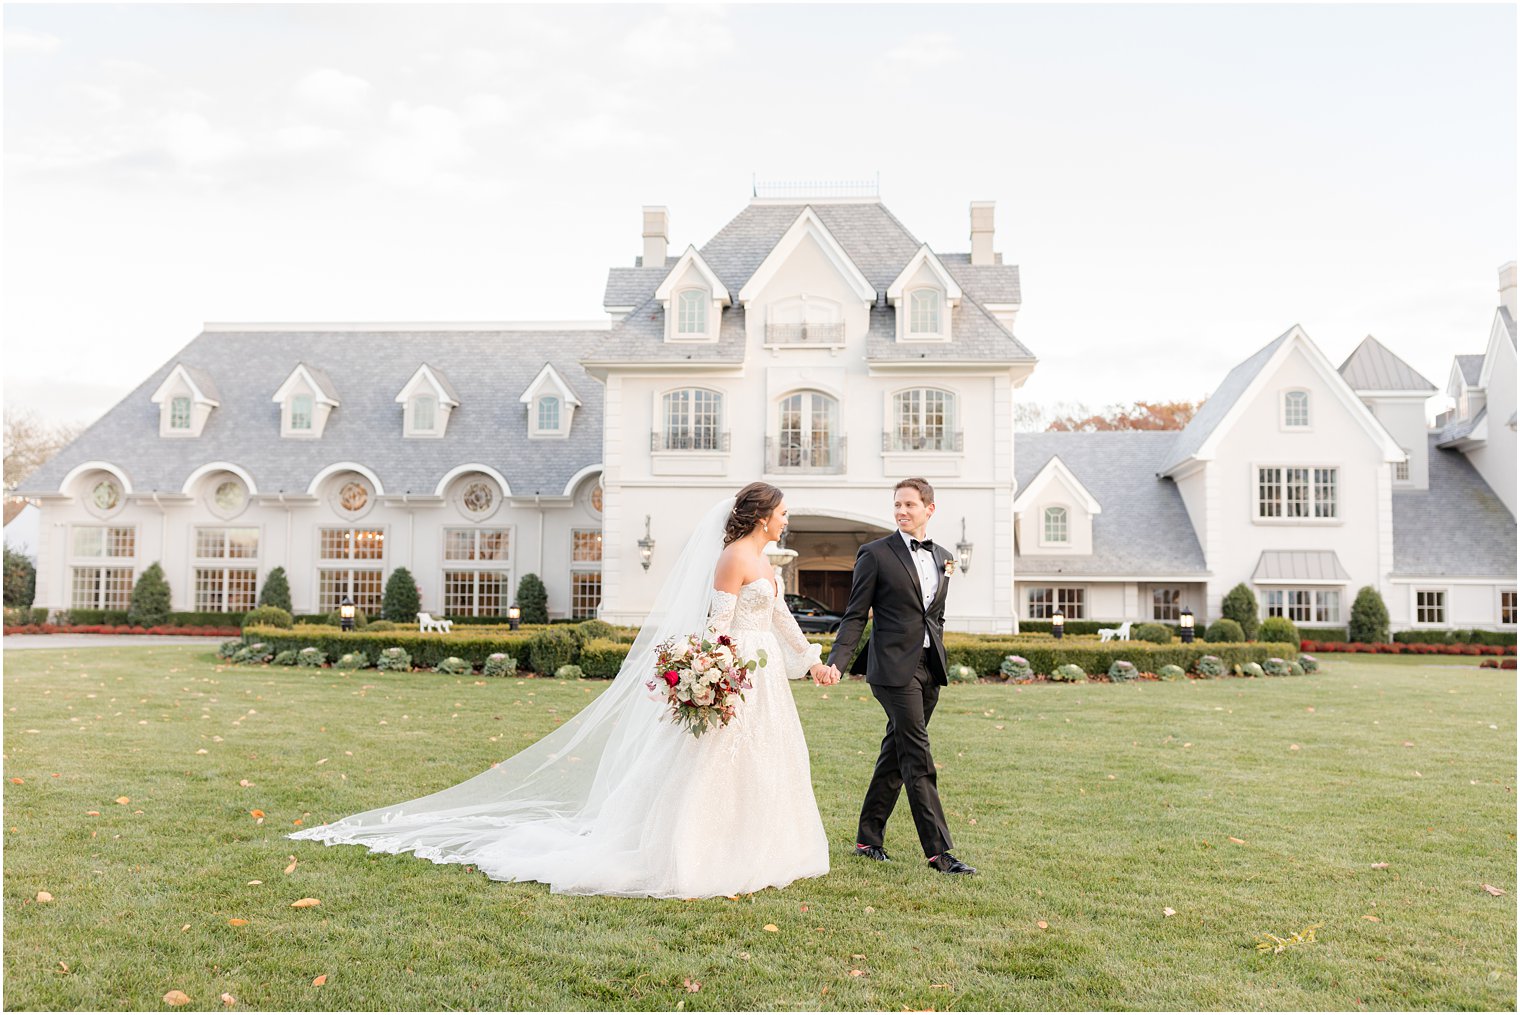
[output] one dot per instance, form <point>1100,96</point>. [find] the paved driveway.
<point>13,642</point>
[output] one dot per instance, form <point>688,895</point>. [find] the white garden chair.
<point>427,622</point>
<point>1120,633</point>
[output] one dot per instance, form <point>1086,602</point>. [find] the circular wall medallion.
<point>229,497</point>
<point>596,498</point>
<point>478,497</point>
<point>352,497</point>
<point>106,495</point>
<point>475,497</point>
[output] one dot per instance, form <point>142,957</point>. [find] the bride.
<point>620,800</point>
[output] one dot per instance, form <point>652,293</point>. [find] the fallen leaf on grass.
<point>48,896</point>
<point>202,751</point>
<point>184,928</point>
<point>292,866</point>
<point>93,814</point>
<point>1374,919</point>
<point>228,999</point>
<point>692,986</point>
<point>176,998</point>
<point>1379,866</point>
<point>1490,889</point>
<point>237,922</point>
<point>856,972</point>
<point>870,909</point>
<point>319,980</point>
<point>256,813</point>
<point>940,986</point>
<point>255,882</point>
<point>1042,925</point>
<point>18,781</point>
<point>771,928</point>
<point>804,909</point>
<point>1168,911</point>
<point>244,783</point>
<point>305,903</point>
<point>126,800</point>
<point>1238,842</point>
<point>1293,747</point>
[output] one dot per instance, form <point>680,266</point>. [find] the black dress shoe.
<point>874,852</point>
<point>947,864</point>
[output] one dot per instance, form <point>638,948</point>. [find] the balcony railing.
<point>701,439</point>
<point>805,334</point>
<point>907,440</point>
<point>790,455</point>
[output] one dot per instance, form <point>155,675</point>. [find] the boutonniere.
<point>949,567</point>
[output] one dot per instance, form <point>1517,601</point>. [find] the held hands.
<point>824,675</point>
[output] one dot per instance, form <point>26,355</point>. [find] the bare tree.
<point>29,442</point>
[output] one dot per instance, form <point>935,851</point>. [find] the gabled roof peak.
<point>1372,366</point>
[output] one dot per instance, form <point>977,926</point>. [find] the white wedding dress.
<point>621,801</point>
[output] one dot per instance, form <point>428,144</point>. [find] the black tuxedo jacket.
<point>886,584</point>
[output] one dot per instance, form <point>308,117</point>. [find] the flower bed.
<point>209,632</point>
<point>1405,648</point>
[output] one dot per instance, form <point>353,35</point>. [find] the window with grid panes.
<point>1296,409</point>
<point>365,587</point>
<point>226,589</point>
<point>104,541</point>
<point>1305,606</point>
<point>692,420</point>
<point>585,572</point>
<point>1055,525</point>
<point>352,544</point>
<point>1166,604</point>
<point>1430,606</point>
<point>1507,606</point>
<point>102,588</point>
<point>476,592</point>
<point>922,420</point>
<point>179,413</point>
<point>1045,602</point>
<point>691,315</point>
<point>1296,492</point>
<point>924,311</point>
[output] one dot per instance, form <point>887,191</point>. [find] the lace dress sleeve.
<point>720,611</point>
<point>800,655</point>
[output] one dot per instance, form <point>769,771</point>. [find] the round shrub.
<point>377,626</point>
<point>1069,673</point>
<point>1276,667</point>
<point>229,648</point>
<point>1309,663</point>
<point>394,659</point>
<point>352,661</point>
<point>1016,668</point>
<point>1279,629</point>
<point>268,616</point>
<point>1171,671</point>
<point>258,652</point>
<point>1209,666</point>
<point>454,664</point>
<point>1224,629</point>
<point>960,673</point>
<point>499,664</point>
<point>1295,669</point>
<point>569,672</point>
<point>1251,670</point>
<point>311,657</point>
<point>286,658</point>
<point>1121,670</point>
<point>1158,634</point>
<point>551,649</point>
<point>590,630</point>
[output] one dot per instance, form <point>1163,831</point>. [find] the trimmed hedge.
<point>1408,649</point>
<point>1454,636</point>
<point>118,618</point>
<point>1080,626</point>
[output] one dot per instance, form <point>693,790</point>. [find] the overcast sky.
<point>1178,184</point>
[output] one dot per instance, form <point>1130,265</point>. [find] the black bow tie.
<point>927,544</point>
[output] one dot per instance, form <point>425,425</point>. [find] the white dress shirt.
<point>928,574</point>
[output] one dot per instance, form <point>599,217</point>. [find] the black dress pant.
<point>905,763</point>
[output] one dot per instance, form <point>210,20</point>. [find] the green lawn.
<point>1090,808</point>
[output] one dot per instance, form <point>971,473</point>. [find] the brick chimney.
<point>981,232</point>
<point>1507,287</point>
<point>656,234</point>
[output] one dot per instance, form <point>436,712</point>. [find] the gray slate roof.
<point>205,382</point>
<point>1144,526</point>
<point>1457,528</point>
<point>1299,565</point>
<point>490,371</point>
<point>1452,432</point>
<point>878,244</point>
<point>1373,367</point>
<point>1217,405</point>
<point>1471,366</point>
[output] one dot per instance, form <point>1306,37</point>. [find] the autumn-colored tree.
<point>1136,416</point>
<point>29,442</point>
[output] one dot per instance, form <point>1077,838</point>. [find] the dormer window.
<point>691,312</point>
<point>427,399</point>
<point>551,404</point>
<point>1296,410</point>
<point>924,312</point>
<point>185,400</point>
<point>300,412</point>
<point>1056,530</point>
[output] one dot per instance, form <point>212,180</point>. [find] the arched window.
<point>923,419</point>
<point>691,312</point>
<point>692,420</point>
<point>924,308</point>
<point>1296,409</point>
<point>808,436</point>
<point>1056,530</point>
<point>424,413</point>
<point>548,414</point>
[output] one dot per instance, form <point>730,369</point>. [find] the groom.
<point>902,579</point>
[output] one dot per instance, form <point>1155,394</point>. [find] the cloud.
<point>683,38</point>
<point>333,91</point>
<point>308,137</point>
<point>934,49</point>
<point>193,142</point>
<point>21,40</point>
<point>423,147</point>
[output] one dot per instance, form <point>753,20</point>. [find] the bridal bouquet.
<point>703,679</point>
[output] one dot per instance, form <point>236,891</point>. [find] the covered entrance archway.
<point>826,546</point>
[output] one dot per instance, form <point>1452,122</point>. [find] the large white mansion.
<point>817,345</point>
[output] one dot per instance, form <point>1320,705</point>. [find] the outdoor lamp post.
<point>346,614</point>
<point>1185,625</point>
<point>1058,623</point>
<point>514,616</point>
<point>646,545</point>
<point>963,550</point>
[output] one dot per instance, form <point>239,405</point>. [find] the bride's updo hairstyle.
<point>751,504</point>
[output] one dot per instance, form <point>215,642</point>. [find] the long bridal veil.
<point>548,796</point>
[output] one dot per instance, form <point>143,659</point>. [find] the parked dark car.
<point>812,616</point>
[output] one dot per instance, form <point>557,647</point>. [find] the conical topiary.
<point>1240,606</point>
<point>1369,617</point>
<point>401,599</point>
<point>150,598</point>
<point>534,599</point>
<point>276,590</point>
